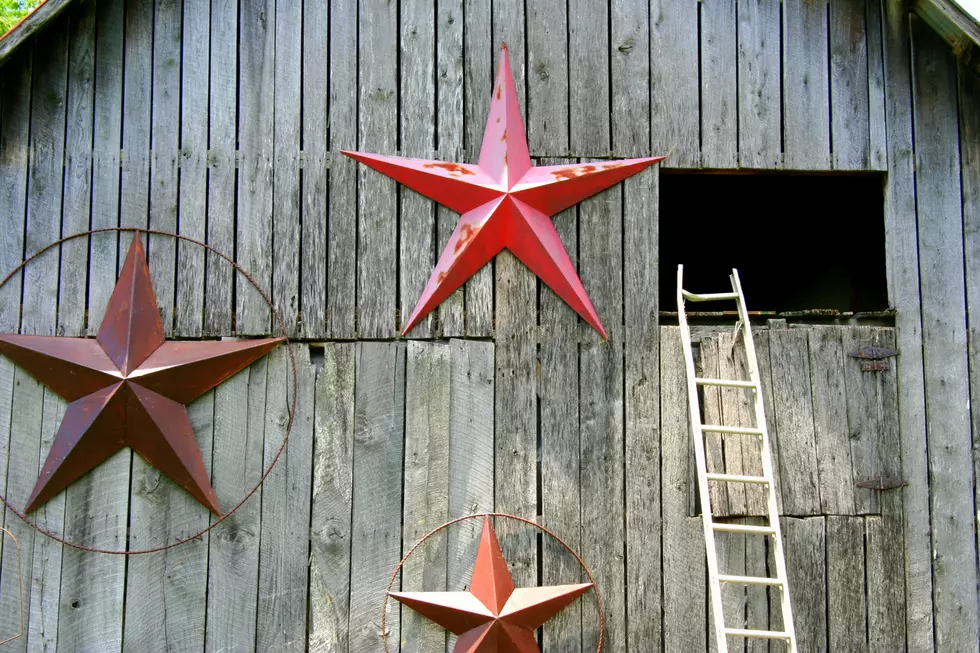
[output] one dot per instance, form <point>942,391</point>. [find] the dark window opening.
<point>799,242</point>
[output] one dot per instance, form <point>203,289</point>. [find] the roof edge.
<point>32,22</point>
<point>958,28</point>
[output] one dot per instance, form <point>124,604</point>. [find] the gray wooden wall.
<point>223,121</point>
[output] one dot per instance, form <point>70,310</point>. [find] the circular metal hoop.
<point>578,558</point>
<point>285,343</point>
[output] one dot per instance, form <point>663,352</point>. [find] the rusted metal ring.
<point>285,343</point>
<point>481,515</point>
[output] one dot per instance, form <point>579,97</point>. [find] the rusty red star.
<point>505,204</point>
<point>128,387</point>
<point>493,616</point>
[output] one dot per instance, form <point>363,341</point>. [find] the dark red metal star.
<point>493,616</point>
<point>505,204</point>
<point>128,387</point>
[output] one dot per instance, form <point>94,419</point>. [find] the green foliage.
<point>11,11</point>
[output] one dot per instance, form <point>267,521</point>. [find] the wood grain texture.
<point>759,126</point>
<point>877,127</point>
<point>846,602</point>
<point>284,550</point>
<point>137,112</point>
<point>222,174</point>
<point>719,85</point>
<point>286,221</point>
<point>742,455</point>
<point>832,435</point>
<point>177,578</point>
<point>863,418</point>
<point>449,137</point>
<point>714,447</point>
<point>849,88</point>
<point>377,496</point>
<point>416,127</point>
<point>330,521</point>
<point>426,502</point>
<point>77,200</point>
<point>806,566</point>
<point>548,62</point>
<point>762,353</point>
<point>32,23</point>
<point>794,418</point>
<point>885,596</point>
<point>256,152</point>
<point>684,588</point>
<point>730,548</point>
<point>377,206</point>
<point>233,564</point>
<point>589,108</point>
<point>15,120</point>
<point>674,90</point>
<point>806,86</point>
<point>944,341</point>
<point>192,219</point>
<point>315,191</point>
<point>45,182</point>
<point>165,156</point>
<point>902,271</point>
<point>757,597</point>
<point>342,211</point>
<point>629,62</point>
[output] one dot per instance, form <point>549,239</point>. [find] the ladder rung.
<point>750,580</point>
<point>737,430</point>
<point>726,527</point>
<point>759,634</point>
<point>737,478</point>
<point>731,383</point>
<point>709,297</point>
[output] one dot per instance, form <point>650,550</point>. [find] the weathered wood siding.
<point>224,120</point>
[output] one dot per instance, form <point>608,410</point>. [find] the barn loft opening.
<point>802,244</point>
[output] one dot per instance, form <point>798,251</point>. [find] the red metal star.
<point>493,617</point>
<point>505,204</point>
<point>128,387</point>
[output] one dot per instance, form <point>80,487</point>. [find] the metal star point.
<point>128,387</point>
<point>505,203</point>
<point>493,616</point>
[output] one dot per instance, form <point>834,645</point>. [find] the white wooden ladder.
<point>772,530</point>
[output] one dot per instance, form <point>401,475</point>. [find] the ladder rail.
<point>714,582</point>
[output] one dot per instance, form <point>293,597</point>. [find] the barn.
<point>828,149</point>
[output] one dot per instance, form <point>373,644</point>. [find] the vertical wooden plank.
<point>762,353</point>
<point>15,119</point>
<point>330,522</point>
<point>684,595</point>
<point>849,85</point>
<point>137,107</point>
<point>714,452</point>
<point>222,168</point>
<point>516,478</point>
<point>794,418</point>
<point>674,89</point>
<point>342,210</point>
<point>77,205</point>
<point>561,463</point>
<point>630,79</point>
<point>719,85</point>
<point>830,421</point>
<point>23,463</point>
<point>806,86</point>
<point>377,212</point>
<point>944,343</point>
<point>426,502</point>
<point>742,455</point>
<point>45,180</point>
<point>175,578</point>
<point>548,91</point>
<point>165,144</point>
<point>285,227</point>
<point>759,128</point>
<point>902,270</point>
<point>730,548</point>
<point>284,551</point>
<point>757,597</point>
<point>806,566</point>
<point>449,136</point>
<point>314,188</point>
<point>877,131</point>
<point>193,192</point>
<point>377,498</point>
<point>846,601</point>
<point>256,151</point>
<point>863,421</point>
<point>480,48</point>
<point>45,576</point>
<point>416,122</point>
<point>588,78</point>
<point>233,565</point>
<point>471,469</point>
<point>105,166</point>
